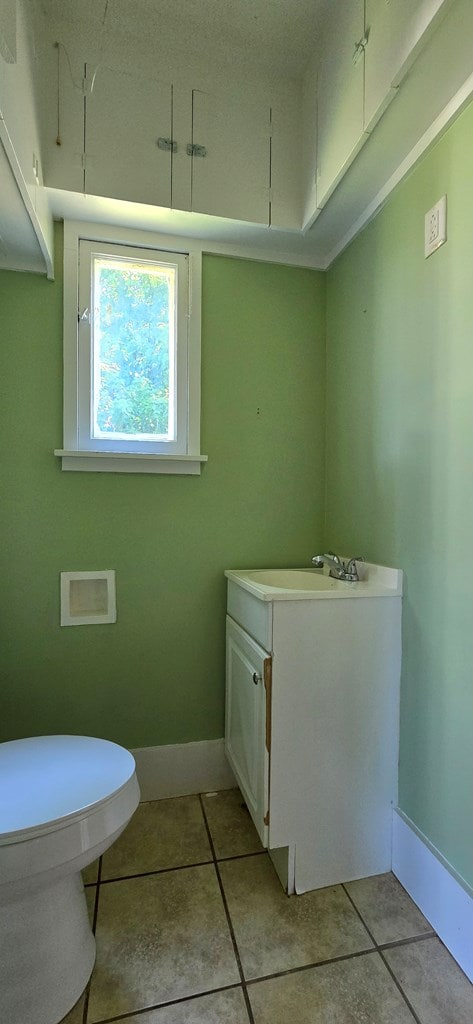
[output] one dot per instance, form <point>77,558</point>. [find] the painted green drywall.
<point>157,675</point>
<point>400,466</point>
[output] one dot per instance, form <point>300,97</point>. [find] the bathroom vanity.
<point>312,717</point>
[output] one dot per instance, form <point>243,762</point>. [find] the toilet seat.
<point>63,802</point>
<point>50,782</point>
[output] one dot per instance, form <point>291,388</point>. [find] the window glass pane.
<point>133,350</point>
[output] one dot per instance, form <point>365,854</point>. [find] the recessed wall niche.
<point>88,598</point>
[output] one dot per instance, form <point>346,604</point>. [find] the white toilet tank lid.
<point>46,778</point>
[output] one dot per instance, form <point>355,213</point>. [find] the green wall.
<point>157,675</point>
<point>400,466</point>
<point>399,490</point>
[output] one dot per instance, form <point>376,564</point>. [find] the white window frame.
<point>80,452</point>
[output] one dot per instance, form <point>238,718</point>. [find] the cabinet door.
<point>232,179</point>
<point>247,721</point>
<point>124,117</point>
<point>17,103</point>
<point>395,33</point>
<point>8,30</point>
<point>286,178</point>
<point>339,97</point>
<point>63,113</point>
<point>19,136</point>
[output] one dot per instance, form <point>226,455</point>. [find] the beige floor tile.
<point>90,893</point>
<point>276,933</point>
<point>387,910</point>
<point>356,991</point>
<point>161,834</point>
<point>434,984</point>
<point>160,937</point>
<point>90,873</point>
<point>216,1008</point>
<point>230,824</point>
<point>75,1016</point>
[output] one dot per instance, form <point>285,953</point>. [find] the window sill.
<point>129,462</point>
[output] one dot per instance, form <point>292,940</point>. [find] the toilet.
<point>63,802</point>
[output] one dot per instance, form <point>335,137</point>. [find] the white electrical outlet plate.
<point>435,227</point>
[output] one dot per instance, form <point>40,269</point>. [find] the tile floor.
<point>193,927</point>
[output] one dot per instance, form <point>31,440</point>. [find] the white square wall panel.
<point>88,598</point>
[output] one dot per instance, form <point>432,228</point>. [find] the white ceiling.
<point>274,35</point>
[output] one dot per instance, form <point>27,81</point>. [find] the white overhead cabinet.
<point>367,49</point>
<point>128,128</point>
<point>145,140</point>
<point>286,161</point>
<point>62,113</point>
<point>17,109</point>
<point>340,86</point>
<point>25,222</point>
<point>395,32</point>
<point>387,26</point>
<point>8,30</point>
<point>231,156</point>
<point>205,137</point>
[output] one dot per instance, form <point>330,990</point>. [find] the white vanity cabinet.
<point>312,722</point>
<point>248,719</point>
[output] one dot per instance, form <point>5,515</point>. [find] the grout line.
<point>158,871</point>
<point>177,867</point>
<point>97,894</point>
<point>365,926</point>
<point>309,967</point>
<point>398,985</point>
<point>229,920</point>
<point>241,856</point>
<point>407,942</point>
<point>94,926</point>
<point>379,949</point>
<point>170,1002</point>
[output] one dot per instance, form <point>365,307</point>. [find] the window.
<point>131,357</point>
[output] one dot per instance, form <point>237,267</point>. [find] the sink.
<point>310,584</point>
<point>293,579</point>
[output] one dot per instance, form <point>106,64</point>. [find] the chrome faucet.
<point>339,570</point>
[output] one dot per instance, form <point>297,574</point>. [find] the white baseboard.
<point>444,898</point>
<point>182,768</point>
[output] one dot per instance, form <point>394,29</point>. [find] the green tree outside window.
<point>132,340</point>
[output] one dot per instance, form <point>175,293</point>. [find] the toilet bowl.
<point>63,802</point>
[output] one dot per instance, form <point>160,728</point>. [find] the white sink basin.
<point>310,584</point>
<point>293,579</point>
